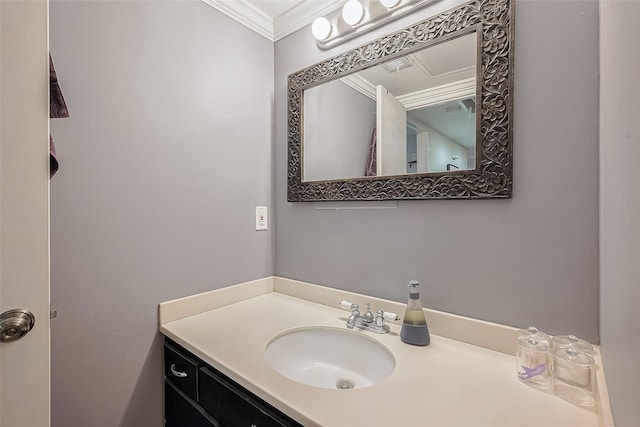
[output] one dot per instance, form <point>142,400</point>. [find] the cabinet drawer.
<point>180,411</point>
<point>231,406</point>
<point>241,411</point>
<point>210,392</point>
<point>181,371</point>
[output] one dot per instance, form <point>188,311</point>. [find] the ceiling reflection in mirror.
<point>413,114</point>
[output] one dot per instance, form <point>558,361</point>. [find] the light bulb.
<point>389,3</point>
<point>352,12</point>
<point>321,28</point>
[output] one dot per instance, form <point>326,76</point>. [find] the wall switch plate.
<point>261,218</point>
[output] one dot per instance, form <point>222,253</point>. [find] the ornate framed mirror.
<point>423,113</point>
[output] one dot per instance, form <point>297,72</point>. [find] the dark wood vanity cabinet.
<point>198,395</point>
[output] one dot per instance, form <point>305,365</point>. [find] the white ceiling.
<point>275,8</point>
<point>275,19</point>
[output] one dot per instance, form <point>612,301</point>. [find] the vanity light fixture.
<point>352,12</point>
<point>357,17</point>
<point>389,3</point>
<point>321,28</point>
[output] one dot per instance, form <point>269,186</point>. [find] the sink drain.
<point>345,385</point>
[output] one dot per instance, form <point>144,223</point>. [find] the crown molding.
<point>246,14</point>
<point>436,95</point>
<point>362,85</point>
<point>420,99</point>
<point>282,25</point>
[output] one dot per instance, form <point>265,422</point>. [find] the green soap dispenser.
<point>414,325</point>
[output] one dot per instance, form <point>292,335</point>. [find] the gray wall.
<point>166,154</point>
<point>330,154</point>
<point>531,260</point>
<point>620,205</point>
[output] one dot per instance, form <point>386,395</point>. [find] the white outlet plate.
<point>261,218</point>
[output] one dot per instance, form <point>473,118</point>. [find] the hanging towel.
<point>53,161</point>
<point>57,109</point>
<point>371,169</point>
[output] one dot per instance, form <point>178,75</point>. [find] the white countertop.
<point>446,384</point>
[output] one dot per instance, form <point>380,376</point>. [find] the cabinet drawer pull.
<point>179,374</point>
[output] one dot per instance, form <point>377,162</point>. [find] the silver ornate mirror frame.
<point>493,21</point>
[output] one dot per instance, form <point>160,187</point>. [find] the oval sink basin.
<point>330,358</point>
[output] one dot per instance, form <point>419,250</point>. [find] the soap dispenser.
<point>414,326</point>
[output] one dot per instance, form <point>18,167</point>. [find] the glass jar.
<point>533,358</point>
<point>573,369</point>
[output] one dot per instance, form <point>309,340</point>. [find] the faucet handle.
<point>346,305</point>
<point>387,315</point>
<point>380,318</point>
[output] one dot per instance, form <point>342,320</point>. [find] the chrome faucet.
<point>367,321</point>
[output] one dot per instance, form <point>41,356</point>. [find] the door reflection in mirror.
<point>442,135</point>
